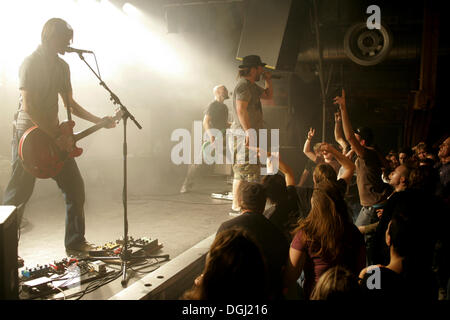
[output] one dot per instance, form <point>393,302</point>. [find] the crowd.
<point>358,225</point>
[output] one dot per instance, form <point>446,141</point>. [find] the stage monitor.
<point>8,253</point>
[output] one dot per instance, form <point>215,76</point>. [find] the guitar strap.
<point>69,114</point>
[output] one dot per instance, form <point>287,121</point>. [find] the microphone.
<point>69,49</point>
<point>275,76</point>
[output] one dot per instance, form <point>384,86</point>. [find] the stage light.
<point>121,37</point>
<point>131,10</point>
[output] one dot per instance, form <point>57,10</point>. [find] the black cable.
<point>144,272</point>
<point>94,285</point>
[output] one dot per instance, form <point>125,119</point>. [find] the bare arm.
<point>82,113</point>
<point>307,147</point>
<point>349,166</point>
<point>288,172</point>
<point>339,134</point>
<point>207,126</point>
<point>268,91</point>
<point>294,267</point>
<point>303,178</point>
<point>241,110</point>
<point>348,130</point>
<point>78,110</point>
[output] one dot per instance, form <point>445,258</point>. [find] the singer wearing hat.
<point>247,114</point>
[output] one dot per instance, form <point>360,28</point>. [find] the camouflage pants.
<point>242,168</point>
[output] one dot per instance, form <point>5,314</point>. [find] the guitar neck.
<point>82,134</point>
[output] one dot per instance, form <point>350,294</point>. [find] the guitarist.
<point>42,77</point>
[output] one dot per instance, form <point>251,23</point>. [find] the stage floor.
<point>178,221</point>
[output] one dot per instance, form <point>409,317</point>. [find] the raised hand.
<point>327,148</point>
<point>337,117</point>
<point>267,75</point>
<point>111,122</point>
<point>65,143</point>
<point>311,133</point>
<point>340,100</point>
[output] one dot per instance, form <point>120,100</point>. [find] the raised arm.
<point>307,147</point>
<point>287,171</point>
<point>339,134</point>
<point>303,178</point>
<point>282,166</point>
<point>268,88</point>
<point>346,163</point>
<point>348,130</point>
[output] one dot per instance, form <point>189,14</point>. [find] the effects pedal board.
<point>46,281</point>
<point>137,247</point>
<point>58,267</point>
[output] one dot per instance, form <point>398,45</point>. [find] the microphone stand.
<point>125,254</point>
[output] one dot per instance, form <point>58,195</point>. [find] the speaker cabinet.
<point>271,30</point>
<point>9,279</point>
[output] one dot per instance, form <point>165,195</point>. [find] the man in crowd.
<point>371,188</point>
<point>273,244</point>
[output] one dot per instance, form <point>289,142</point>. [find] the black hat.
<point>366,134</point>
<point>252,61</point>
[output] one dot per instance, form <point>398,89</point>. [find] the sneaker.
<point>235,213</point>
<point>82,247</point>
<point>185,188</point>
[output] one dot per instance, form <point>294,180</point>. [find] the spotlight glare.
<point>131,10</point>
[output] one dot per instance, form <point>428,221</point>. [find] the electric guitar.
<point>42,157</point>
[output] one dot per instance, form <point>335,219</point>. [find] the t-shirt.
<point>273,244</point>
<point>43,76</point>
<point>218,113</point>
<point>250,92</point>
<point>391,286</point>
<point>316,265</point>
<point>371,187</point>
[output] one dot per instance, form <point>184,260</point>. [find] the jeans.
<point>368,215</point>
<point>21,184</point>
<point>355,209</point>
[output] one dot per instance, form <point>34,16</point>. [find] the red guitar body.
<point>39,153</point>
